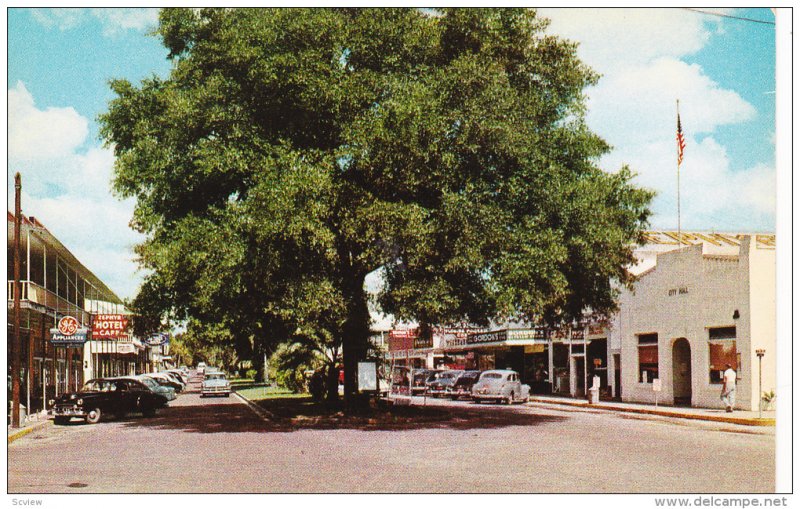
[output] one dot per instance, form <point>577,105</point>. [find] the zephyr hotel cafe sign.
<point>109,326</point>
<point>68,333</point>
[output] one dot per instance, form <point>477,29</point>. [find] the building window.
<point>648,357</point>
<point>721,351</point>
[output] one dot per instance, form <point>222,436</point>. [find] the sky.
<point>721,69</point>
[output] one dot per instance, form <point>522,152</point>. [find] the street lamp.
<point>760,353</point>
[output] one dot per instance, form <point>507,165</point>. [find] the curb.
<point>263,414</point>
<point>17,434</point>
<point>614,408</point>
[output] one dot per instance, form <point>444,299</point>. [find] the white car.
<point>201,368</point>
<point>501,385</point>
<point>215,384</point>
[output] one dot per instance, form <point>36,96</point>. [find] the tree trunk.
<point>332,383</point>
<point>355,337</point>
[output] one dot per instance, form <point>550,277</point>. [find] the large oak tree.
<point>291,152</point>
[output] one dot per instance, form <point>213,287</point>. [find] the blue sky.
<point>721,69</point>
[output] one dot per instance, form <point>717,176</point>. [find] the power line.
<point>731,17</point>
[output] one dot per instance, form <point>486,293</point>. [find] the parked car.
<point>201,367</point>
<point>421,379</point>
<point>182,377</point>
<point>175,377</point>
<point>153,385</point>
<point>101,397</point>
<point>164,379</point>
<point>501,385</point>
<point>214,384</point>
<point>462,387</point>
<point>442,382</point>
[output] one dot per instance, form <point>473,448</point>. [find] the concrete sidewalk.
<point>704,414</point>
<point>37,422</point>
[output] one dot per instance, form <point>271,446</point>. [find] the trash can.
<point>594,395</point>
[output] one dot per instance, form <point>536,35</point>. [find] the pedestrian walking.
<point>728,394</point>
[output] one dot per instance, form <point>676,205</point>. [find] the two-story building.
<point>54,284</point>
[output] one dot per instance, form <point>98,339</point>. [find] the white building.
<point>698,305</point>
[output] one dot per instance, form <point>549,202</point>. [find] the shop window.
<point>721,351</point>
<point>648,357</point>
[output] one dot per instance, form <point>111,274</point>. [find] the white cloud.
<point>638,52</point>
<point>119,20</point>
<point>610,38</point>
<point>63,19</point>
<point>66,185</point>
<point>114,21</point>
<point>35,134</point>
<point>640,101</point>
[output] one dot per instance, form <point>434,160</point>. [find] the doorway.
<point>578,376</point>
<point>682,372</point>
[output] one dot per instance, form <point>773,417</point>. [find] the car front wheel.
<point>93,416</point>
<point>149,411</point>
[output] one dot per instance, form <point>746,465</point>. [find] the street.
<point>218,445</point>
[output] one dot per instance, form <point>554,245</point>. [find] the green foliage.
<point>290,363</point>
<point>293,151</point>
<point>251,374</point>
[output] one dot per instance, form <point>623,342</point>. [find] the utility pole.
<point>16,354</point>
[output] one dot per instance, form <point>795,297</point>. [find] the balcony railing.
<point>37,294</point>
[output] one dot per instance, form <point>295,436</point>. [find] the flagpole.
<point>680,239</point>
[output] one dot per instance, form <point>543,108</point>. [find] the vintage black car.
<point>102,397</point>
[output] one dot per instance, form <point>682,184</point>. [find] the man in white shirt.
<point>728,394</point>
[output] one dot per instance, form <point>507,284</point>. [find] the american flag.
<point>681,141</point>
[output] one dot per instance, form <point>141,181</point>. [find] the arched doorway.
<point>682,372</point>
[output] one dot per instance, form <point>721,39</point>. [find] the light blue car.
<point>215,383</point>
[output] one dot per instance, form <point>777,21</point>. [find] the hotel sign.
<point>109,326</point>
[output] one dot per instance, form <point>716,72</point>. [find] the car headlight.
<point>51,402</point>
<point>79,401</point>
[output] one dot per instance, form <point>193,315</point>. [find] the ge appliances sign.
<point>68,332</point>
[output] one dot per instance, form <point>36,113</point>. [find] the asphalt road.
<point>218,445</point>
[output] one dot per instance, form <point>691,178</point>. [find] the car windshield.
<point>492,375</point>
<point>448,375</point>
<point>215,376</point>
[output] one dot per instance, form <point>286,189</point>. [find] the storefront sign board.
<point>108,326</point>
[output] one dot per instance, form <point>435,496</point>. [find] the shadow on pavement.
<point>301,413</point>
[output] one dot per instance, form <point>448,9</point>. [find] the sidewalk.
<point>36,422</point>
<point>704,414</point>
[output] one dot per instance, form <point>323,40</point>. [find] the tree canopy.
<point>291,152</point>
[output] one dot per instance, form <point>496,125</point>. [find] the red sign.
<point>109,326</point>
<point>68,325</point>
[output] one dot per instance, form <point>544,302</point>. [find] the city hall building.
<point>701,301</point>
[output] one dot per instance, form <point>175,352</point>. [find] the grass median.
<point>293,411</point>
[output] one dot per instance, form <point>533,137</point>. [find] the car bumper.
<point>437,392</point>
<point>69,412</point>
<point>459,393</point>
<point>206,391</point>
<point>487,395</point>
